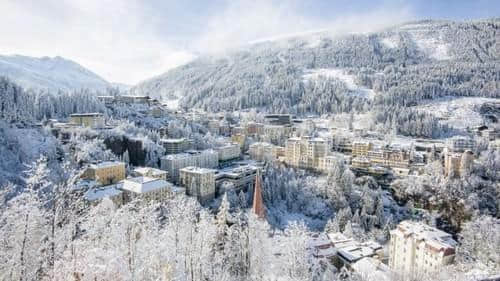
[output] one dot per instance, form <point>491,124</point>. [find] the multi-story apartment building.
<point>361,148</point>
<point>150,172</point>
<point>261,151</point>
<point>460,144</point>
<point>327,163</point>
<point>305,152</point>
<point>199,182</point>
<point>241,178</point>
<point>416,248</point>
<point>457,164</point>
<point>239,139</point>
<point>213,127</point>
<point>173,163</point>
<point>229,152</point>
<point>276,133</point>
<point>174,146</point>
<point>254,129</point>
<point>106,173</point>
<point>390,158</point>
<point>360,163</point>
<point>91,120</point>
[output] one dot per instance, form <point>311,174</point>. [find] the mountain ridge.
<point>270,73</point>
<point>50,73</point>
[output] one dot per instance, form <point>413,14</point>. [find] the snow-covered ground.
<point>390,42</point>
<point>428,40</point>
<point>457,112</point>
<point>348,79</point>
<point>172,104</point>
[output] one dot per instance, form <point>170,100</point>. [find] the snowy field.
<point>457,112</point>
<point>335,73</point>
<point>428,40</point>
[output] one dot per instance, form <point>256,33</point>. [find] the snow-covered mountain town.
<point>302,150</point>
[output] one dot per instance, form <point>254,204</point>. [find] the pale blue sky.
<point>131,40</point>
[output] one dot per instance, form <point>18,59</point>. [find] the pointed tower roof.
<point>258,204</point>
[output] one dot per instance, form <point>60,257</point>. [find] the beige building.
<point>261,151</point>
<point>239,139</point>
<point>326,163</point>
<point>229,152</point>
<point>173,163</point>
<point>276,133</point>
<point>91,120</point>
<point>106,173</point>
<point>457,164</point>
<point>416,248</point>
<point>389,158</point>
<point>150,172</point>
<point>199,182</point>
<point>254,129</point>
<point>361,148</point>
<point>361,163</point>
<point>305,152</point>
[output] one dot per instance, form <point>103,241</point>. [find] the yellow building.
<point>361,148</point>
<point>305,152</point>
<point>106,172</point>
<point>91,120</point>
<point>360,163</point>
<point>239,139</point>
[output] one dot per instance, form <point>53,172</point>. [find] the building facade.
<point>416,248</point>
<point>150,172</point>
<point>91,120</point>
<point>305,152</point>
<point>204,159</point>
<point>106,173</point>
<point>199,182</point>
<point>174,146</point>
<point>229,152</point>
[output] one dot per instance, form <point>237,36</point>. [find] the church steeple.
<point>258,204</point>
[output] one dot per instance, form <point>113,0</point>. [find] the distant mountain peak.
<point>50,73</point>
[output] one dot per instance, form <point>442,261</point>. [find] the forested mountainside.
<point>324,73</point>
<point>51,74</point>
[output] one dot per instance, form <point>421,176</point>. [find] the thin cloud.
<point>128,41</point>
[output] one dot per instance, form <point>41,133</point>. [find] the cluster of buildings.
<point>415,249</point>
<point>108,180</point>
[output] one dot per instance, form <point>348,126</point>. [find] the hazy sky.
<point>131,40</point>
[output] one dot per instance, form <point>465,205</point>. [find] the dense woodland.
<point>49,232</point>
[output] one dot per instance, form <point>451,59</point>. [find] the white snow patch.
<point>428,40</point>
<point>348,79</point>
<point>390,42</point>
<point>457,112</point>
<point>172,104</point>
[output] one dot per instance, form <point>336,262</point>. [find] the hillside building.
<point>150,172</point>
<point>416,248</point>
<point>91,120</point>
<point>203,159</point>
<point>106,173</point>
<point>199,182</point>
<point>147,188</point>
<point>305,152</point>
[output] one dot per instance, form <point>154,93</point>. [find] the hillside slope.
<point>49,73</point>
<point>326,73</point>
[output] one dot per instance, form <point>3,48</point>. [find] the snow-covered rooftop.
<point>103,192</point>
<point>144,184</point>
<point>106,164</point>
